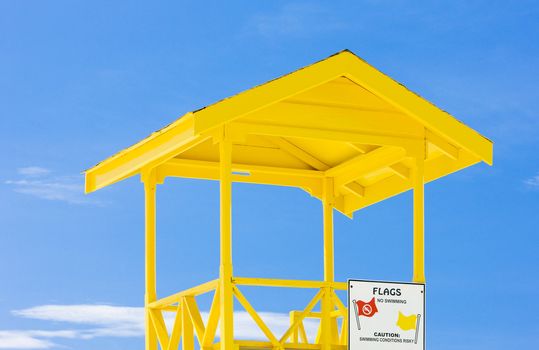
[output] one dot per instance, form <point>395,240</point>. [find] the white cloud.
<point>532,182</point>
<point>122,321</point>
<point>38,182</point>
<point>106,320</point>
<point>22,340</point>
<point>33,171</point>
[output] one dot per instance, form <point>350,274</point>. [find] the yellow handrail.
<point>270,282</point>
<point>174,298</point>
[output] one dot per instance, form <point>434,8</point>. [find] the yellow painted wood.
<point>146,154</point>
<point>227,301</point>
<point>343,339</point>
<point>333,103</point>
<point>301,316</point>
<point>250,344</point>
<point>447,148</point>
<point>188,340</point>
<point>196,318</point>
<point>329,273</point>
<point>240,129</point>
<point>402,170</point>
<point>197,169</point>
<point>159,327</point>
<point>270,282</point>
<point>339,130</point>
<point>258,320</point>
<point>198,290</point>
<point>295,333</point>
<point>354,168</point>
<point>419,223</point>
<point>303,333</point>
<point>175,334</point>
<point>327,205</point>
<point>337,302</point>
<point>417,107</point>
<point>149,252</point>
<point>213,320</point>
<point>325,321</point>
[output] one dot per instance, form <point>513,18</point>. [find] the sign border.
<point>394,282</point>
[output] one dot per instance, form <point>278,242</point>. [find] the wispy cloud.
<point>23,340</point>
<point>294,19</point>
<point>104,320</point>
<point>42,183</point>
<point>33,339</point>
<point>532,182</point>
<point>32,171</point>
<point>94,321</point>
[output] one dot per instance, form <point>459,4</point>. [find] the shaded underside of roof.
<point>337,118</point>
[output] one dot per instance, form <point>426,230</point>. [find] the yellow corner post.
<point>226,287</point>
<point>149,180</point>
<point>329,271</point>
<point>419,219</point>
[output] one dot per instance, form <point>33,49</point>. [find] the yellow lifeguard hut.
<point>338,129</point>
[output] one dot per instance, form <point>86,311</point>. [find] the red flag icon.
<point>366,309</point>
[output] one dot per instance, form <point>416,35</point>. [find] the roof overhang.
<point>338,118</point>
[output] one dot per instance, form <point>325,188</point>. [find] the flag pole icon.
<point>407,323</point>
<point>362,308</point>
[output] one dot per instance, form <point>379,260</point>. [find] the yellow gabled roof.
<point>339,118</point>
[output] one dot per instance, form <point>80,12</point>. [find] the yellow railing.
<point>188,322</point>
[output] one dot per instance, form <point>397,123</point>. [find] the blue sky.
<point>81,80</point>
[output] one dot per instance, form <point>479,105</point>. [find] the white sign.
<point>386,315</point>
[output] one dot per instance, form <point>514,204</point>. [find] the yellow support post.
<point>149,180</point>
<point>329,274</point>
<point>226,286</point>
<point>419,221</point>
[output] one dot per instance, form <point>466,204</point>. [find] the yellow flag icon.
<point>407,323</point>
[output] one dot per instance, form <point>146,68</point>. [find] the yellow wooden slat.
<point>188,341</point>
<point>176,333</point>
<point>160,327</point>
<point>174,298</point>
<point>196,318</point>
<point>301,316</point>
<point>213,321</point>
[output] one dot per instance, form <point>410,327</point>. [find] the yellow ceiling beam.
<point>238,129</point>
<point>395,185</point>
<point>288,146</point>
<point>309,180</point>
<point>399,168</point>
<point>335,118</point>
<point>356,167</point>
<point>439,142</point>
<point>355,189</point>
<point>299,153</point>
